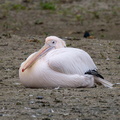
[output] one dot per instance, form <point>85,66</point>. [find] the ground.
<point>24,24</point>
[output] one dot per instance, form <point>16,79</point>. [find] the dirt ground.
<point>24,24</point>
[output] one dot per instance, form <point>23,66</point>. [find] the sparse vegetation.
<point>96,14</point>
<point>4,14</point>
<point>102,56</point>
<point>64,12</point>
<point>38,22</point>
<point>6,25</point>
<point>80,18</point>
<point>102,36</point>
<point>47,5</point>
<point>12,6</point>
<point>17,7</point>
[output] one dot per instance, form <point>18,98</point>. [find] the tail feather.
<point>103,82</point>
<point>99,79</point>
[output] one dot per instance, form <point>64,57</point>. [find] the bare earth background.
<point>24,24</point>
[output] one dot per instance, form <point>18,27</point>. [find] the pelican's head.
<point>55,42</point>
<point>51,42</point>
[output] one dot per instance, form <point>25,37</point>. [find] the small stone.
<point>52,111</point>
<point>17,83</point>
<point>45,119</point>
<point>66,114</point>
<point>34,116</point>
<point>32,102</point>
<point>39,97</point>
<point>86,34</point>
<point>26,108</point>
<point>108,59</point>
<point>57,88</point>
<point>30,95</point>
<point>18,103</point>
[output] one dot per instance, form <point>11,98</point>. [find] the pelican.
<point>56,65</point>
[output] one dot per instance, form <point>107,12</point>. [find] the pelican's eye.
<point>53,42</point>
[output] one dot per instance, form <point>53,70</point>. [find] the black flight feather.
<point>95,73</point>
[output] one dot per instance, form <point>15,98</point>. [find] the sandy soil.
<point>22,32</point>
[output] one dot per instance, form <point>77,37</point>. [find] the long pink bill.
<point>45,49</point>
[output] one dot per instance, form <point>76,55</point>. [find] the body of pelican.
<point>59,66</point>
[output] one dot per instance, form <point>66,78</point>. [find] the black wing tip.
<point>95,73</point>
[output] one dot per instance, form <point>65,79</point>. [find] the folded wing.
<point>70,61</point>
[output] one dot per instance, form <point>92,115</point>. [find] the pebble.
<point>34,116</point>
<point>30,95</point>
<point>39,97</point>
<point>52,111</point>
<point>32,102</point>
<point>108,59</point>
<point>18,103</point>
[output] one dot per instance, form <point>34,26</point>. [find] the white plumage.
<point>58,66</point>
<point>70,61</point>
